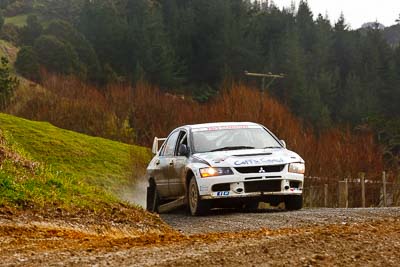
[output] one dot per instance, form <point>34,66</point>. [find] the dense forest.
<point>333,75</point>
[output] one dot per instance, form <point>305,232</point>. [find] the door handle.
<point>171,162</point>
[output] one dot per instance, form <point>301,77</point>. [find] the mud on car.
<point>217,165</point>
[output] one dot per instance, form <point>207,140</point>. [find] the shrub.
<point>139,113</point>
<point>31,31</point>
<point>56,56</point>
<point>27,63</point>
<point>10,33</point>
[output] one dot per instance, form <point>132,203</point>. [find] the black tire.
<point>276,200</point>
<point>251,207</point>
<point>152,198</point>
<point>196,206</point>
<point>294,202</point>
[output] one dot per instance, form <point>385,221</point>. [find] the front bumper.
<point>250,185</point>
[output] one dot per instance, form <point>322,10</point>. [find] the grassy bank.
<point>42,165</point>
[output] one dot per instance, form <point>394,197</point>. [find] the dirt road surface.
<point>310,237</point>
<point>229,221</point>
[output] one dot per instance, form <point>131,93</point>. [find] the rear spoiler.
<point>156,141</point>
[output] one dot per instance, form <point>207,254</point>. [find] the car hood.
<point>249,157</point>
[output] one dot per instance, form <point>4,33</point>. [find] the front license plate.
<point>221,194</point>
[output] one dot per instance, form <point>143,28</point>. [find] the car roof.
<point>221,124</point>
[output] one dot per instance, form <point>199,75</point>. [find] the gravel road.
<point>229,221</point>
<point>310,237</point>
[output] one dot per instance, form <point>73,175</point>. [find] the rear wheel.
<point>152,198</point>
<point>196,205</point>
<point>293,202</point>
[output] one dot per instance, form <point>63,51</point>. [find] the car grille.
<point>263,186</point>
<point>221,187</point>
<point>257,169</point>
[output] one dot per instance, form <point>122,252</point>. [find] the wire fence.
<point>352,193</point>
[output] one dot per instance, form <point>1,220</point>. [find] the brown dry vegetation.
<point>137,114</point>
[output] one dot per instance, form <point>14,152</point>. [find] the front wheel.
<point>196,205</point>
<point>152,198</point>
<point>294,202</point>
<point>251,207</point>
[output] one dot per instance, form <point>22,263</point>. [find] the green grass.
<point>19,20</point>
<point>75,169</point>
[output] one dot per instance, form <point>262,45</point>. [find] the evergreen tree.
<point>322,45</point>
<point>395,94</point>
<point>331,73</point>
<point>346,58</point>
<point>326,81</point>
<point>7,83</point>
<point>66,33</point>
<point>56,56</point>
<point>27,63</point>
<point>152,49</point>
<point>240,51</point>
<point>356,104</point>
<point>305,26</point>
<point>178,14</point>
<point>1,20</point>
<point>107,31</point>
<point>31,31</point>
<point>295,69</point>
<point>376,69</point>
<point>207,64</point>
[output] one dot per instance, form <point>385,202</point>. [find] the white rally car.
<point>236,164</point>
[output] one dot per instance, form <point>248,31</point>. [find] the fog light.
<point>238,187</point>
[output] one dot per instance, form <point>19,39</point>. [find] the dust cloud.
<point>136,193</point>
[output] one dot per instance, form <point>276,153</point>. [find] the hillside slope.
<point>42,165</point>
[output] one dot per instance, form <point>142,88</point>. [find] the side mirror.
<point>183,150</point>
<point>283,143</point>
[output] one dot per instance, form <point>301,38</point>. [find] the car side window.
<point>169,148</point>
<point>182,140</point>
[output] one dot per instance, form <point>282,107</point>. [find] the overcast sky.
<point>356,12</point>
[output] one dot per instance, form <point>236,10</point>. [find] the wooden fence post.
<point>384,189</point>
<point>362,189</point>
<point>347,193</point>
<point>326,195</point>
<point>310,196</point>
<point>343,194</point>
<point>397,191</point>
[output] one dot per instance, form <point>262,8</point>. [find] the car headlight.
<point>297,168</point>
<point>212,172</point>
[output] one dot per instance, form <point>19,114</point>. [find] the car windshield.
<point>232,139</point>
